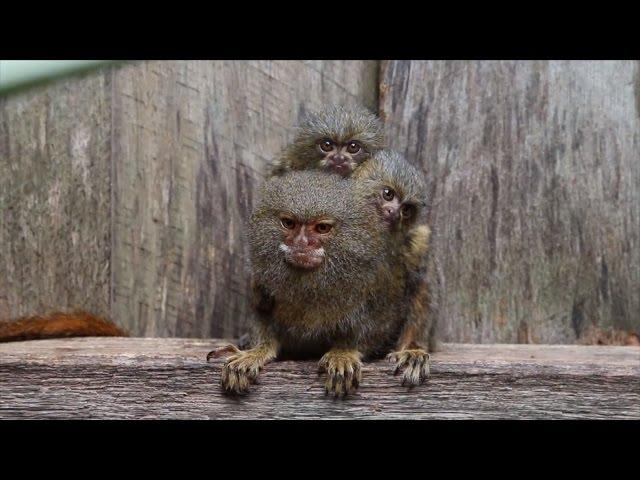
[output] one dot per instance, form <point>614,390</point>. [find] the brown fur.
<point>598,336</point>
<point>58,325</point>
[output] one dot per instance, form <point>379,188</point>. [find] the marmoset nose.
<point>339,159</point>
<point>391,213</point>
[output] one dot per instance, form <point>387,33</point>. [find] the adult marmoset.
<point>328,281</point>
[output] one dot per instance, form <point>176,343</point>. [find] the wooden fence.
<point>125,192</point>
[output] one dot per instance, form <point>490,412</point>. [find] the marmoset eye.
<point>323,228</point>
<point>288,223</point>
<point>353,147</point>
<point>388,194</point>
<point>326,145</point>
<point>407,211</point>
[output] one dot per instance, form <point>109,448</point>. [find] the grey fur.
<point>354,298</point>
<point>337,123</point>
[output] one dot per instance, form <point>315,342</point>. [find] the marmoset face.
<point>341,157</point>
<point>303,240</point>
<point>394,210</point>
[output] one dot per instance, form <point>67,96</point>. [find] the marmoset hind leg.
<point>343,367</point>
<point>242,367</point>
<point>411,354</point>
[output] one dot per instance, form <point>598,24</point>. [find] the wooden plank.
<point>136,378</point>
<point>535,180</point>
<point>55,198</point>
<point>190,142</point>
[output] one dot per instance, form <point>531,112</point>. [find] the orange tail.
<point>58,325</point>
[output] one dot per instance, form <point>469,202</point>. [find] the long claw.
<point>218,352</point>
<point>414,363</point>
<point>241,369</point>
<point>343,369</point>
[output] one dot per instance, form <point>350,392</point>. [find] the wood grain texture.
<point>144,378</point>
<point>190,142</point>
<point>55,243</point>
<point>535,178</point>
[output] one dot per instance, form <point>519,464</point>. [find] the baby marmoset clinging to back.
<point>399,191</point>
<point>334,139</point>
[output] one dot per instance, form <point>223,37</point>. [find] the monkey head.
<point>396,187</point>
<point>336,139</point>
<point>396,209</point>
<point>313,235</point>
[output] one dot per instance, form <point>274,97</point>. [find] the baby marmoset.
<point>399,192</point>
<point>334,139</point>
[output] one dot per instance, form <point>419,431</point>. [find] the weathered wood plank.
<point>190,142</point>
<point>535,179</point>
<point>55,198</point>
<point>139,378</point>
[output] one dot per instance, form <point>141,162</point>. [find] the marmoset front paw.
<point>344,371</point>
<point>415,363</point>
<point>242,368</point>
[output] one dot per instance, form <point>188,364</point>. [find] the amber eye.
<point>323,228</point>
<point>407,211</point>
<point>353,147</point>
<point>388,194</point>
<point>288,223</point>
<point>326,145</point>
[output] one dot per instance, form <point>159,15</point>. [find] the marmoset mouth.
<point>343,168</point>
<point>303,259</point>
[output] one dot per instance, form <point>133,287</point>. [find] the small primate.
<point>58,325</point>
<point>399,191</point>
<point>327,282</point>
<point>335,139</point>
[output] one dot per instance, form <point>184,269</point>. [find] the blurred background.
<point>124,188</point>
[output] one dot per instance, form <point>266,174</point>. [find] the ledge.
<point>144,378</point>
